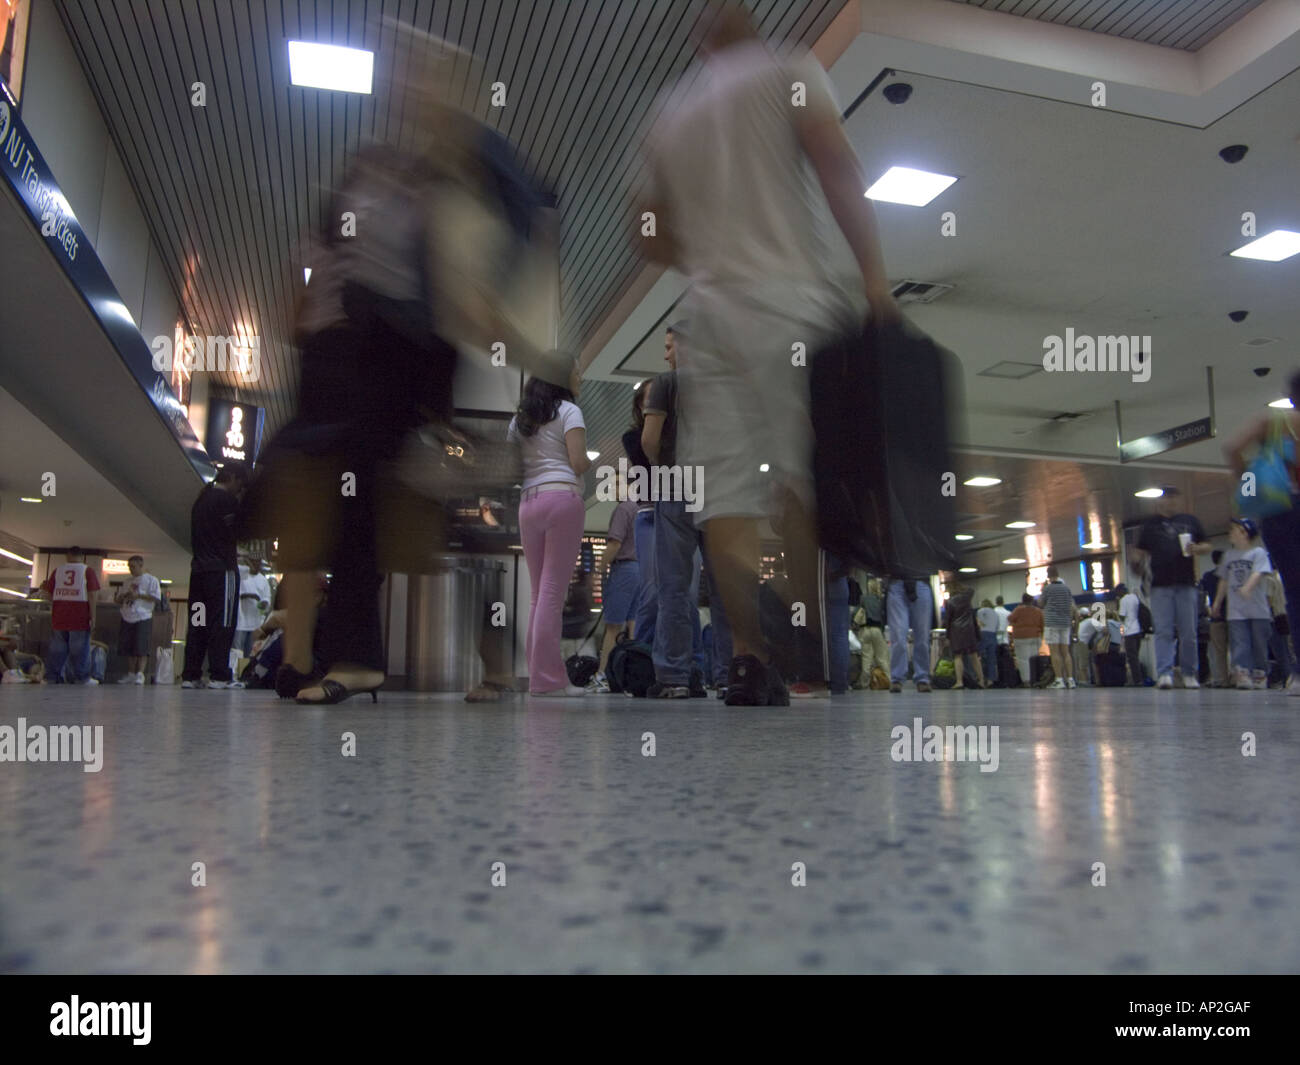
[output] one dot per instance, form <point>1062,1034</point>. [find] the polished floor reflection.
<point>613,859</point>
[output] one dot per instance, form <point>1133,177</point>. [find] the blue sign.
<point>28,175</point>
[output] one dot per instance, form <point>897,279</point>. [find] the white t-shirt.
<point>251,615</point>
<point>1128,610</point>
<point>1003,614</point>
<point>745,205</point>
<point>141,609</point>
<point>546,456</point>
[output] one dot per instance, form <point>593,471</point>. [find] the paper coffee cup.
<point>1185,540</point>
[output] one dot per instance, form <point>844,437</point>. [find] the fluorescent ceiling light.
<point>1094,546</point>
<point>1021,524</point>
<point>16,558</point>
<point>330,66</point>
<point>1271,247</point>
<point>968,569</point>
<point>914,188</point>
<point>10,591</point>
<point>593,455</point>
<point>983,482</point>
<point>306,275</point>
<point>1285,404</point>
<point>27,499</point>
<point>1150,493</point>
<point>963,536</point>
<point>1013,562</point>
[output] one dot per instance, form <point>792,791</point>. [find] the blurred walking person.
<point>741,171</point>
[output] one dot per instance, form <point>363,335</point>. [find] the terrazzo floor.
<point>617,861</point>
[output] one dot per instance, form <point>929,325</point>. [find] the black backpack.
<point>630,668</point>
<point>1144,619</point>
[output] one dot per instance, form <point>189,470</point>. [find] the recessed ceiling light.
<point>1013,562</point>
<point>27,499</point>
<point>963,536</point>
<point>764,468</point>
<point>306,275</point>
<point>1271,247</point>
<point>1150,493</point>
<point>1021,524</point>
<point>593,455</point>
<point>1285,404</point>
<point>983,482</point>
<point>903,184</point>
<point>968,569</point>
<point>331,66</point>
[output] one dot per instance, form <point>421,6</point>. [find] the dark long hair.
<point>541,403</point>
<point>638,402</point>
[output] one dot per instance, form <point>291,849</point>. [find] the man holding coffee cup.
<point>1166,545</point>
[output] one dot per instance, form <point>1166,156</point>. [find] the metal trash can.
<point>446,612</point>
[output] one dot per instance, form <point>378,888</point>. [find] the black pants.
<point>1131,646</point>
<point>218,591</point>
<point>364,386</point>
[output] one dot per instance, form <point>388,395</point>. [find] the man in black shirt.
<point>214,580</point>
<point>1166,546</point>
<point>1218,626</point>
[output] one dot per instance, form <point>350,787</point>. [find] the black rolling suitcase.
<point>1112,669</point>
<point>883,404</point>
<point>1040,671</point>
<point>1008,675</point>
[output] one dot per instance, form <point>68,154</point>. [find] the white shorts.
<point>742,401</point>
<point>1057,635</point>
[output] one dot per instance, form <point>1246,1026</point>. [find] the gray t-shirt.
<point>988,619</point>
<point>1236,568</point>
<point>621,528</point>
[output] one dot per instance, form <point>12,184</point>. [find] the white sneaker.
<point>218,684</point>
<point>569,691</point>
<point>1260,684</point>
<point>1069,682</point>
<point>14,676</point>
<point>599,685</point>
<point>139,678</point>
<point>236,684</point>
<point>1057,683</point>
<point>1243,681</point>
<point>191,684</point>
<point>90,682</point>
<point>1293,685</point>
<point>128,679</point>
<point>1191,682</point>
<point>1166,681</point>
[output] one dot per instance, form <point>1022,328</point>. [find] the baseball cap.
<point>1251,529</point>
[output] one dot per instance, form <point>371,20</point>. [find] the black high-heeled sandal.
<point>289,681</point>
<point>335,693</point>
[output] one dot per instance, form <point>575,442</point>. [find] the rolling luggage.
<point>882,405</point>
<point>1008,675</point>
<point>1112,670</point>
<point>1040,671</point>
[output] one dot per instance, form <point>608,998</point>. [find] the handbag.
<point>1271,469</point>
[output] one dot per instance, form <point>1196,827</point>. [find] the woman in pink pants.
<point>549,428</point>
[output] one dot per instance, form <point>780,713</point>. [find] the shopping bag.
<point>163,674</point>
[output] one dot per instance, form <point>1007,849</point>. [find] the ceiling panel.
<point>234,191</point>
<point>1184,24</point>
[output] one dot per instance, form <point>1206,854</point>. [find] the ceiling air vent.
<point>919,291</point>
<point>1260,342</point>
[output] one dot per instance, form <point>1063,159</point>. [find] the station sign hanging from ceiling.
<point>234,431</point>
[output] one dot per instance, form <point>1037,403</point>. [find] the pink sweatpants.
<point>550,526</point>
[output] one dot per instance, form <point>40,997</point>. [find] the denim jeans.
<point>837,632</point>
<point>1282,538</point>
<point>647,610</point>
<point>1249,639</point>
<point>989,655</point>
<point>678,646</point>
<point>74,642</point>
<point>1173,611</point>
<point>916,616</point>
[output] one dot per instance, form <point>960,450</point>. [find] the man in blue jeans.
<point>1166,548</point>
<point>678,646</point>
<point>910,605</point>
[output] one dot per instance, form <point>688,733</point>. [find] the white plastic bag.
<point>163,674</point>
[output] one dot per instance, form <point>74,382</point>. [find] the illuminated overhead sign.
<point>116,567</point>
<point>234,431</point>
